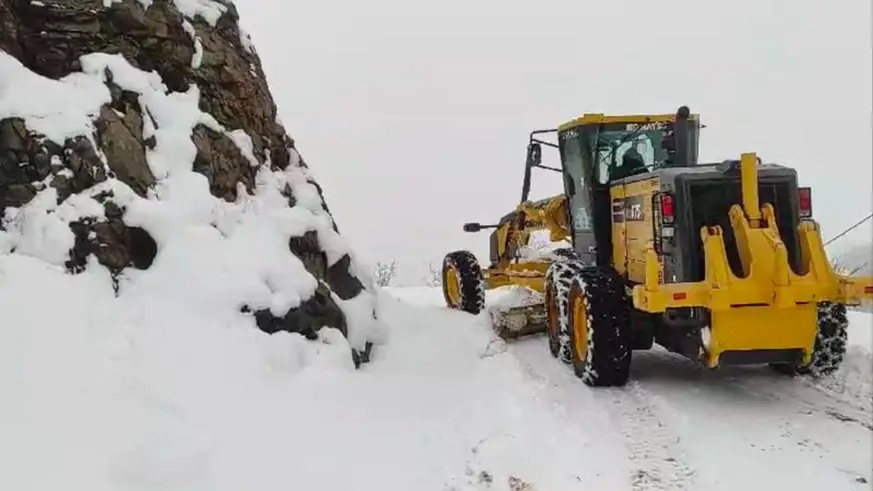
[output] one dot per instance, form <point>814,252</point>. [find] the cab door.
<point>577,186</point>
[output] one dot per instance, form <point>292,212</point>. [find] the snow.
<point>58,109</point>
<point>245,40</point>
<point>197,59</point>
<point>676,426</point>
<point>861,335</point>
<point>244,142</point>
<point>502,299</point>
<point>208,10</point>
<point>540,246</point>
<point>123,396</point>
<point>48,239</point>
<point>363,325</point>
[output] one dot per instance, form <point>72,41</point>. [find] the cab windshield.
<point>619,152</point>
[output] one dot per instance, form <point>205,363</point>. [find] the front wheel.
<point>463,283</point>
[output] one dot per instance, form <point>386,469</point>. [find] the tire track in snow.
<point>658,460</point>
<point>836,396</point>
<point>653,446</point>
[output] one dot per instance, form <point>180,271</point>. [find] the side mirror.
<point>534,154</point>
<point>472,227</point>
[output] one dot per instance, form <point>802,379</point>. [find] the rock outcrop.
<point>188,44</point>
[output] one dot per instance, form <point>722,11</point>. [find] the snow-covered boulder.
<point>140,138</point>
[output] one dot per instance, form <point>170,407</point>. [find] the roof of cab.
<point>587,119</point>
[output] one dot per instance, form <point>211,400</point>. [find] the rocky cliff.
<point>117,108</point>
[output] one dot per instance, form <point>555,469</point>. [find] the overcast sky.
<point>414,115</point>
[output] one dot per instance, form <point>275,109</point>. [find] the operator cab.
<point>598,152</point>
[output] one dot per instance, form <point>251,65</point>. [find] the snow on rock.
<point>149,226</point>
<point>57,109</point>
<point>213,255</point>
<point>245,39</point>
<point>244,143</point>
<point>41,228</point>
<point>197,59</point>
<point>209,10</point>
<point>364,326</point>
<point>132,167</point>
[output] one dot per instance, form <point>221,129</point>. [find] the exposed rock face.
<point>204,48</point>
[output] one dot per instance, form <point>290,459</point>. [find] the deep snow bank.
<point>124,397</point>
<point>146,391</point>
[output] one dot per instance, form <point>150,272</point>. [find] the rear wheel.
<point>463,283</point>
<point>830,343</point>
<point>600,328</point>
<point>559,279</point>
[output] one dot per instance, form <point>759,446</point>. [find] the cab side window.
<point>575,168</point>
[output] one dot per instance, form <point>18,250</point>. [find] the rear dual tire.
<point>589,322</point>
<point>559,280</point>
<point>829,349</point>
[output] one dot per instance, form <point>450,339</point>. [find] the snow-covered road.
<point>100,395</point>
<point>676,426</point>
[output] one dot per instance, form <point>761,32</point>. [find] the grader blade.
<point>519,321</point>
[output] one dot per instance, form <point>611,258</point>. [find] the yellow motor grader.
<point>721,262</point>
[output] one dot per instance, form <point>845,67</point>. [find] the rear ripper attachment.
<point>769,311</point>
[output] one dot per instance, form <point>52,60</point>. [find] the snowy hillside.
<point>215,257</point>
<point>150,224</point>
<point>155,378</point>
